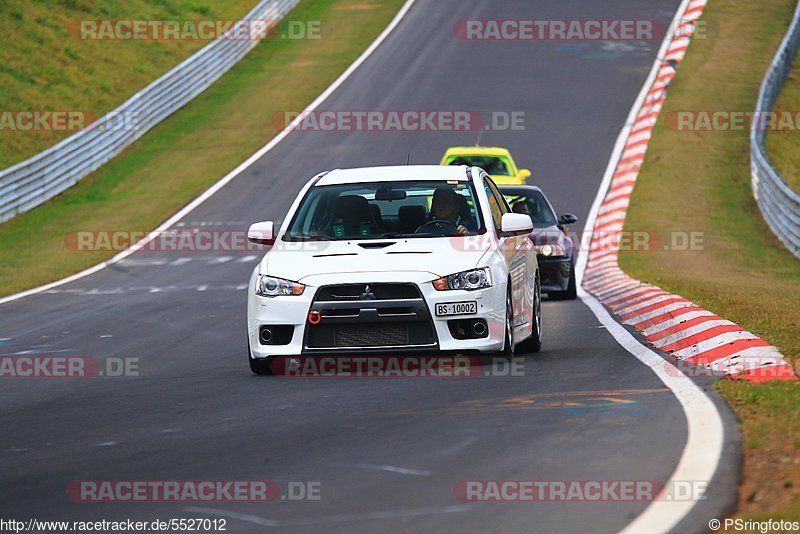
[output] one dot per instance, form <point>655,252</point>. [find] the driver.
<point>525,206</point>
<point>446,207</point>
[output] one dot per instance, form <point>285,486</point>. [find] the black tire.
<point>508,345</point>
<point>571,293</point>
<point>261,367</point>
<point>534,343</point>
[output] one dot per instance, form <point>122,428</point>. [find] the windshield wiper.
<point>396,234</point>
<point>312,237</point>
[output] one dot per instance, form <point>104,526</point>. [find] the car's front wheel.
<point>534,343</point>
<point>508,345</point>
<point>571,293</point>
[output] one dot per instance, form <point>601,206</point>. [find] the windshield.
<point>497,166</point>
<point>535,205</point>
<point>386,210</point>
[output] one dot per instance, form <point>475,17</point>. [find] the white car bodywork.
<point>419,261</point>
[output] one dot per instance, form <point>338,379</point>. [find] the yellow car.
<point>494,160</point>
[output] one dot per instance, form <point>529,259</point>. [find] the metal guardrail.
<point>38,179</point>
<point>779,204</point>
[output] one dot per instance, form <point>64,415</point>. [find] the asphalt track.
<point>387,452</point>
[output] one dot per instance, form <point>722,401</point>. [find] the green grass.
<point>193,148</point>
<point>783,148</point>
<point>700,182</point>
<point>45,66</point>
<point>770,424</point>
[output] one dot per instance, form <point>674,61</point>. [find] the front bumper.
<point>554,272</point>
<point>386,319</point>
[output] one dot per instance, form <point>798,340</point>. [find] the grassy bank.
<point>45,65</point>
<point>131,193</point>
<point>696,181</point>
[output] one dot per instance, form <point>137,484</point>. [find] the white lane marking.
<point>394,469</point>
<point>183,260</point>
<point>202,224</point>
<point>703,450</point>
<point>142,262</point>
<point>28,352</point>
<point>211,191</point>
<point>107,444</point>
<point>97,291</point>
<point>344,518</point>
<point>148,289</point>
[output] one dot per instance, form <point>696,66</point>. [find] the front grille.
<point>352,292</point>
<point>367,315</point>
<point>394,334</point>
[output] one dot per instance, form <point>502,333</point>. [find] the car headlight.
<point>550,250</point>
<point>269,286</point>
<point>468,280</point>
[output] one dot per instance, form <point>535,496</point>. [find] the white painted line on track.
<point>703,450</point>
<point>399,470</point>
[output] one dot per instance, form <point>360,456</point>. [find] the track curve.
<point>387,453</point>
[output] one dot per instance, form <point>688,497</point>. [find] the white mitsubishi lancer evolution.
<point>408,260</point>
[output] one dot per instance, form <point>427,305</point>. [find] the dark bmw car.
<point>556,253</point>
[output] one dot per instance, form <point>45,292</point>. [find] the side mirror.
<point>567,219</point>
<point>524,174</point>
<point>262,233</point>
<point>516,224</point>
